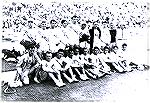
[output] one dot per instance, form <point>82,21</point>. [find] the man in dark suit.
<point>95,31</point>
<point>113,33</point>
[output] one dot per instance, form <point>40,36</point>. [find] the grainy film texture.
<point>75,51</point>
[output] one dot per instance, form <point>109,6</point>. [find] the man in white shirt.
<point>94,65</point>
<point>87,64</point>
<point>74,30</point>
<point>124,58</point>
<point>115,60</point>
<point>77,66</point>
<point>55,37</point>
<point>65,30</point>
<point>70,62</point>
<point>100,66</point>
<point>27,64</point>
<point>110,60</point>
<point>49,65</point>
<point>64,65</point>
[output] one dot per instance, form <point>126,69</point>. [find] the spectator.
<point>30,24</point>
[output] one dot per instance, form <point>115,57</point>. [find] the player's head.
<point>106,49</point>
<point>115,49</point>
<point>76,51</point>
<point>53,24</point>
<point>124,46</point>
<point>60,53</point>
<point>83,26</point>
<point>48,56</point>
<point>96,50</point>
<point>85,51</point>
<point>31,51</point>
<point>64,23</point>
<point>75,19</point>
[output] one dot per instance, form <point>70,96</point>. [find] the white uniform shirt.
<point>114,57</point>
<point>58,63</point>
<point>123,54</point>
<point>105,57</point>
<point>76,61</point>
<point>95,60</point>
<point>84,59</point>
<point>65,35</point>
<point>74,34</point>
<point>55,39</point>
<point>26,61</point>
<point>48,66</point>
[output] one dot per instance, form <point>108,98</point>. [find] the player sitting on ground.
<point>94,64</point>
<point>124,62</point>
<point>111,60</point>
<point>77,66</point>
<point>69,60</point>
<point>101,66</point>
<point>49,65</point>
<point>27,63</point>
<point>87,64</point>
<point>63,65</point>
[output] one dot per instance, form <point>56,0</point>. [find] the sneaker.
<point>129,70</point>
<point>140,67</point>
<point>36,80</point>
<point>60,84</point>
<point>75,80</point>
<point>16,84</point>
<point>70,81</point>
<point>109,72</point>
<point>100,74</point>
<point>86,77</point>
<point>83,77</point>
<point>94,77</point>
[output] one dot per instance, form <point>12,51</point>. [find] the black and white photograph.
<point>75,51</point>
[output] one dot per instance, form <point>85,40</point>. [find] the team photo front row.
<point>71,64</point>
